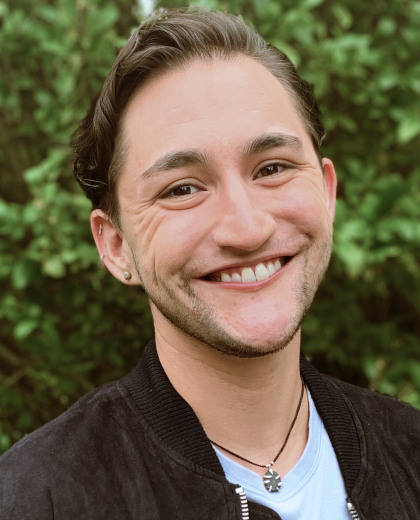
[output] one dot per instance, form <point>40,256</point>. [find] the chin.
<point>238,334</point>
<point>242,346</point>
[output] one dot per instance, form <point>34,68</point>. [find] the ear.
<point>113,248</point>
<point>330,186</point>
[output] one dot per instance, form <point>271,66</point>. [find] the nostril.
<point>247,233</point>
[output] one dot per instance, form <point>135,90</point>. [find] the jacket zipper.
<point>352,510</point>
<point>244,503</point>
<point>245,509</point>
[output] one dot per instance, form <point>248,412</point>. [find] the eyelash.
<point>283,166</point>
<point>167,194</point>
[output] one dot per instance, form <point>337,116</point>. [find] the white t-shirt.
<point>312,490</point>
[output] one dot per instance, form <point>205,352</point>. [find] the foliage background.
<point>67,326</point>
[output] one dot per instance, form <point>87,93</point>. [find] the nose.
<point>242,220</point>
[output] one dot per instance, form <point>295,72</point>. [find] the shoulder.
<point>383,416</point>
<point>87,414</point>
<point>389,443</point>
<point>383,406</point>
<point>333,396</point>
<point>66,453</point>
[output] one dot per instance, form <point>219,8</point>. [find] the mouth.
<point>249,274</point>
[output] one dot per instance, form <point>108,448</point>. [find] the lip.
<point>251,285</point>
<point>250,263</point>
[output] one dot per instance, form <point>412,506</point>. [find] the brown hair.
<point>168,40</point>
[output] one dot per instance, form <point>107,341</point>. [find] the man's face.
<point>226,215</point>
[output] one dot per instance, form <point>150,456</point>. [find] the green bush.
<point>67,326</point>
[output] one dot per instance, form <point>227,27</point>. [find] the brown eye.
<point>181,191</point>
<point>270,169</point>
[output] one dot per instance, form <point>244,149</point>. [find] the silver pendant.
<point>272,481</point>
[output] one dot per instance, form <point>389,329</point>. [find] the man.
<point>202,159</point>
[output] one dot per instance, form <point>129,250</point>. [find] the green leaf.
<point>54,267</point>
<point>99,21</point>
<point>343,15</point>
<point>311,4</point>
<point>23,273</point>
<point>352,256</point>
<point>24,329</point>
<point>408,128</point>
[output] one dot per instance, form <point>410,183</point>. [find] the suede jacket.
<point>134,450</point>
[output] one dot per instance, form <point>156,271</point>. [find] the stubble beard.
<point>199,320</point>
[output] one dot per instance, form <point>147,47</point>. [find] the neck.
<point>244,404</point>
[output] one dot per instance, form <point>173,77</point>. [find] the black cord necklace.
<point>272,480</point>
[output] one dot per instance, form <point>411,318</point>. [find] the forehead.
<point>211,106</point>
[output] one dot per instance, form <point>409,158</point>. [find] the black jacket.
<point>134,449</point>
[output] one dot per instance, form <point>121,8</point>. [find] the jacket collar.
<point>177,426</point>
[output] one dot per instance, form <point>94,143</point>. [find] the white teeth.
<point>253,274</point>
<point>248,275</point>
<point>271,269</point>
<point>261,272</point>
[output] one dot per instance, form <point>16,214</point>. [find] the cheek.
<point>304,204</point>
<point>168,240</point>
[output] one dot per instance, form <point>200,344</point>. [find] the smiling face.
<point>225,213</point>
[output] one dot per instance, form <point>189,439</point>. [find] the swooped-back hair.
<point>169,40</point>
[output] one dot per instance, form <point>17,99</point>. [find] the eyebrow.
<point>273,140</point>
<point>174,160</point>
<point>182,158</point>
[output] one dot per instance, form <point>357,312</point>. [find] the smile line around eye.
<point>170,192</point>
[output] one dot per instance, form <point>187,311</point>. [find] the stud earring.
<point>127,275</point>
<point>100,229</point>
<point>102,258</point>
